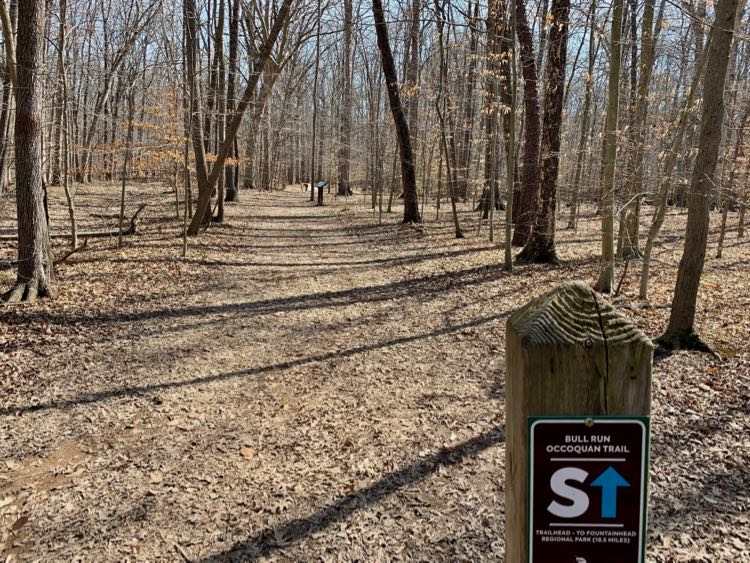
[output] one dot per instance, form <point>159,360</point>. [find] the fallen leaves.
<point>283,391</point>
<point>20,523</point>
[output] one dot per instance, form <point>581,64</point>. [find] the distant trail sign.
<point>587,489</point>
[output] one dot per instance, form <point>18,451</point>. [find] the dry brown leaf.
<point>20,523</point>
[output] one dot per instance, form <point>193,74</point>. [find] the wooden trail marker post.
<point>575,361</point>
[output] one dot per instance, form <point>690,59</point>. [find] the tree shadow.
<point>419,288</point>
<point>271,539</point>
<point>396,261</point>
<point>721,493</point>
<point>153,388</point>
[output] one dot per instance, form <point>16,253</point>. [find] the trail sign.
<point>319,185</point>
<point>587,489</point>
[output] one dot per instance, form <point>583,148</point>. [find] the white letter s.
<point>560,487</point>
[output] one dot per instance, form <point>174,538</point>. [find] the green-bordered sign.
<point>588,480</point>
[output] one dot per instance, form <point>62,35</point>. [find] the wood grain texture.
<point>568,353</point>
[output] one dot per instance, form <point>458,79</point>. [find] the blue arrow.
<point>610,480</point>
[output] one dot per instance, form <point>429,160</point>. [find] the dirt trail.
<point>301,395</point>
<point>306,385</point>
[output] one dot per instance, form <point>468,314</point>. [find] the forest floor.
<point>309,385</point>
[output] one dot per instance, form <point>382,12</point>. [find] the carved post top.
<point>572,314</point>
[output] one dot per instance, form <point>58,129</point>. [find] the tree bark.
<point>530,174</point>
<point>541,245</point>
<point>35,269</point>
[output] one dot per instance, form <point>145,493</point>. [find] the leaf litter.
<point>309,385</point>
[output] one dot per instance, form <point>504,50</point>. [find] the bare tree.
<point>35,269</point>
<point>207,182</point>
<point>527,203</point>
<point>408,174</point>
<point>607,274</point>
<point>680,332</point>
<point>585,119</point>
<point>541,245</point>
<point>441,103</point>
<point>345,130</point>
<point>233,171</point>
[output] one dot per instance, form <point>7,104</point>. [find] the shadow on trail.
<point>396,261</point>
<point>148,389</point>
<point>272,539</point>
<point>419,288</point>
<point>722,492</point>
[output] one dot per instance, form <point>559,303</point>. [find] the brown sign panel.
<point>587,489</point>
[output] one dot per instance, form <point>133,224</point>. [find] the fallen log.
<point>131,230</point>
<point>13,263</point>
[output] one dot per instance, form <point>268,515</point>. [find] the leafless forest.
<point>204,356</point>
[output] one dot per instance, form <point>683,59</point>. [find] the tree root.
<point>27,292</point>
<point>688,341</point>
<point>532,254</point>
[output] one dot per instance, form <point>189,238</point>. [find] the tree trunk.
<point>35,270</point>
<point>10,47</point>
<point>408,174</point>
<point>541,245</point>
<point>509,93</point>
<point>127,157</point>
<point>467,118</point>
<point>221,106</point>
<point>607,275</point>
<point>8,74</point>
<point>233,170</point>
<point>313,147</point>
<point>206,183</point>
<point>64,156</point>
<point>530,174</point>
<point>627,237</point>
<point>412,69</point>
<point>343,187</point>
<point>201,171</point>
<point>680,332</point>
<point>441,103</point>
<point>494,60</point>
